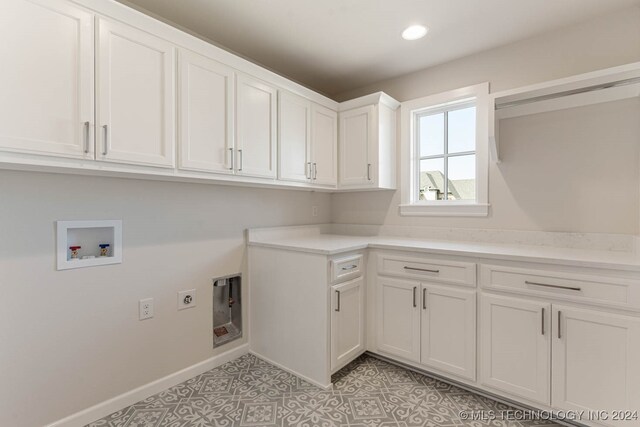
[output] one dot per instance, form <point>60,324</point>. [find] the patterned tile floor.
<point>251,392</point>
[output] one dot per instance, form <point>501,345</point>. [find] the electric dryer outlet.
<point>186,299</point>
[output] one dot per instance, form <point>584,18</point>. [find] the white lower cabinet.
<point>429,324</point>
<point>448,330</point>
<point>515,346</point>
<point>347,322</point>
<point>596,362</point>
<point>398,317</point>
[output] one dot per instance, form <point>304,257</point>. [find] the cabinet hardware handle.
<point>424,298</point>
<point>368,171</point>
<point>106,140</point>
<point>86,137</point>
<point>559,328</point>
<point>351,267</point>
<point>338,307</point>
<point>241,158</point>
<point>307,170</point>
<point>315,171</point>
<point>570,288</point>
<point>231,159</point>
<point>542,317</point>
<point>415,288</point>
<point>421,269</point>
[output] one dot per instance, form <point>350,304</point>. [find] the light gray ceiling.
<point>338,45</point>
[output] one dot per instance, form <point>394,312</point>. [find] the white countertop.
<point>333,244</point>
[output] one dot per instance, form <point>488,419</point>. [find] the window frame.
<point>410,112</point>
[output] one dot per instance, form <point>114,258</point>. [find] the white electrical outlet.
<point>314,211</point>
<point>186,299</point>
<point>146,308</point>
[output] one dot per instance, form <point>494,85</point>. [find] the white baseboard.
<point>297,374</point>
<point>107,407</point>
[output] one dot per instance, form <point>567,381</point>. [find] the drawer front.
<point>614,292</point>
<point>346,268</point>
<point>450,272</point>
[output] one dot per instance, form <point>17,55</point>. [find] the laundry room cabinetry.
<point>367,143</point>
<point>422,317</point>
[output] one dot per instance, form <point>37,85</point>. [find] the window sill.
<point>445,209</point>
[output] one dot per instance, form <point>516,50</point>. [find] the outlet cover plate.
<point>186,299</point>
<point>146,308</point>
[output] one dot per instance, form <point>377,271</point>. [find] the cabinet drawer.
<point>597,290</point>
<point>346,268</point>
<point>457,273</point>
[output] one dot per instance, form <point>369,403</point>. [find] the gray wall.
<point>572,170</point>
<point>71,339</point>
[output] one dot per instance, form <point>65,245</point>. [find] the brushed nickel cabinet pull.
<point>421,269</point>
<point>570,288</point>
<point>307,170</point>
<point>542,320</point>
<point>351,267</point>
<point>231,159</point>
<point>559,327</point>
<point>338,307</point>
<point>368,171</point>
<point>315,171</point>
<point>241,158</point>
<point>105,151</point>
<point>415,288</point>
<point>424,298</point>
<point>86,137</point>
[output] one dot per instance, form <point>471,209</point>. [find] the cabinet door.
<point>515,346</point>
<point>256,128</point>
<point>448,337</point>
<point>347,322</point>
<point>595,361</point>
<point>398,318</point>
<point>293,137</point>
<point>324,145</point>
<point>205,114</point>
<point>46,78</point>
<point>136,96</point>
<point>356,135</point>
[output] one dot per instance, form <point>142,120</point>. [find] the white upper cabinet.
<point>46,78</point>
<point>356,130</point>
<point>368,142</point>
<point>324,146</point>
<point>136,96</point>
<point>595,362</point>
<point>294,119</point>
<point>205,111</point>
<point>255,128</point>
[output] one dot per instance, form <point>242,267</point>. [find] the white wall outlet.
<point>314,211</point>
<point>186,299</point>
<point>146,308</point>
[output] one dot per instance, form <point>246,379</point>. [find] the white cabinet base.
<point>347,322</point>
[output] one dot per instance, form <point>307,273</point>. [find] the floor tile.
<point>250,392</point>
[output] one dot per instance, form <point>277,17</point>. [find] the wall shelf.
<point>88,236</point>
<point>611,84</point>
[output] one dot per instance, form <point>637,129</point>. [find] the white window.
<point>445,153</point>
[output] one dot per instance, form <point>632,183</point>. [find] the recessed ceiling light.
<point>414,32</point>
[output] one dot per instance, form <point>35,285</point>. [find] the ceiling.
<point>337,45</point>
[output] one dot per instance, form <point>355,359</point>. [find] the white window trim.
<point>408,191</point>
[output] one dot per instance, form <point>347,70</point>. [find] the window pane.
<point>431,131</point>
<point>462,130</point>
<point>432,179</point>
<point>462,177</point>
